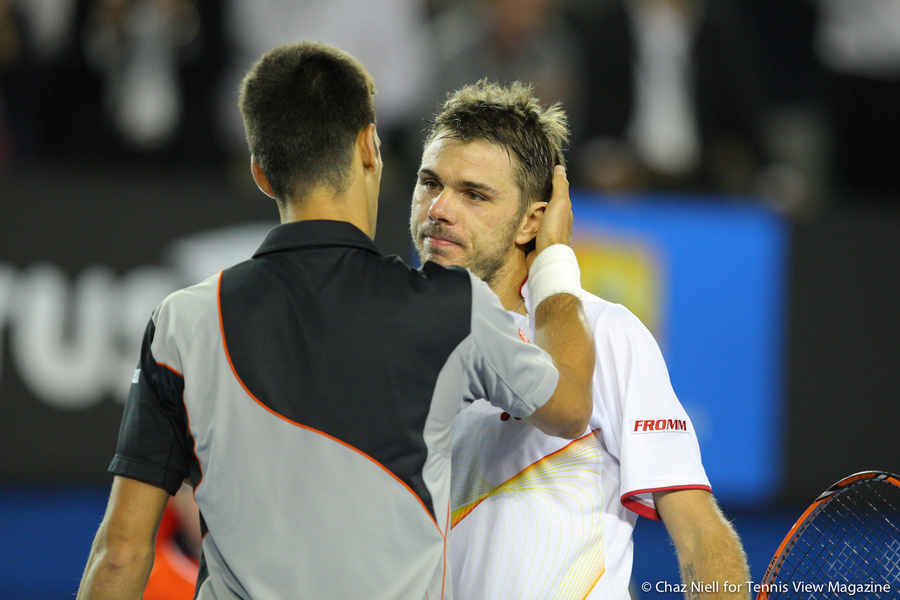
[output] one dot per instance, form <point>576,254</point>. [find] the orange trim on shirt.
<point>307,427</point>
<point>164,365</point>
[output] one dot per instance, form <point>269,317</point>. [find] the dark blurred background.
<point>732,163</point>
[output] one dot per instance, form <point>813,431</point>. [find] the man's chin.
<point>441,257</point>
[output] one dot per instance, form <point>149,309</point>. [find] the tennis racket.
<point>846,544</point>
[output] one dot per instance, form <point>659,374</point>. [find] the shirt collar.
<point>525,291</point>
<point>306,234</point>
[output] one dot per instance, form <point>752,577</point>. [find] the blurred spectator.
<point>159,61</point>
<point>18,128</point>
<point>676,100</point>
<point>388,36</point>
<point>797,131</point>
<point>64,94</point>
<point>132,44</point>
<point>506,41</point>
<point>858,44</point>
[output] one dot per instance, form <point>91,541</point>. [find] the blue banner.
<point>709,278</point>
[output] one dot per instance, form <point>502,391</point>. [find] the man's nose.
<point>441,208</point>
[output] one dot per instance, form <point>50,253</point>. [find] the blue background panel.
<point>713,292</point>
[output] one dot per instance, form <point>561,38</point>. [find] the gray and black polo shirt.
<point>308,394</point>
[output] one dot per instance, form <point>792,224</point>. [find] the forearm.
<point>712,560</point>
<point>122,553</point>
<point>563,331</point>
<point>115,575</point>
<point>716,567</point>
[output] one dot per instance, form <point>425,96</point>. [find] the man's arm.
<point>708,548</point>
<point>122,554</point>
<point>563,331</point>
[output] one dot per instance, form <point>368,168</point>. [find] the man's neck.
<point>321,205</point>
<point>509,285</point>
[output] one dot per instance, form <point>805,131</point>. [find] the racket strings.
<point>853,538</point>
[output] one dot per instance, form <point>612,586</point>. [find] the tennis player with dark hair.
<point>308,393</point>
<point>533,515</point>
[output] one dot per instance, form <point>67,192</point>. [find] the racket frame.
<point>807,516</point>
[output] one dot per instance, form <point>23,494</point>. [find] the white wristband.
<point>554,271</point>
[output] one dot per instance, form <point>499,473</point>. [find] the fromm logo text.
<point>655,425</point>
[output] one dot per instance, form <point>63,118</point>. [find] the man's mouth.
<point>437,240</point>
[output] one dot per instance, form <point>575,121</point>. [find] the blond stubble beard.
<point>490,268</point>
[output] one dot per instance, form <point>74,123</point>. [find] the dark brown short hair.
<point>303,106</point>
<point>513,118</point>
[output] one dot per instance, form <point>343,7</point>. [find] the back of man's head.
<point>511,117</point>
<point>303,106</point>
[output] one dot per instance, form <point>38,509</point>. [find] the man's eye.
<point>430,184</point>
<point>474,196</point>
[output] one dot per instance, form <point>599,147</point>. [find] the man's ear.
<point>370,147</point>
<point>531,222</point>
<point>260,178</point>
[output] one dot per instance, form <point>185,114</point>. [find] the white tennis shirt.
<point>538,517</point>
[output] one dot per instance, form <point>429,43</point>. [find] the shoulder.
<point>199,292</point>
<point>425,294</point>
<point>609,314</point>
<point>433,271</point>
<point>614,324</point>
<point>438,279</point>
<point>189,302</point>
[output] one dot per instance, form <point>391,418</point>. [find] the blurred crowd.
<point>791,102</point>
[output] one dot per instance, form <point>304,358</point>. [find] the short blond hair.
<point>511,117</point>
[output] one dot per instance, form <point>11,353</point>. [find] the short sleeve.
<point>152,445</point>
<point>657,445</point>
<point>502,368</point>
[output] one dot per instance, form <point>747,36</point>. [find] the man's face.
<point>465,208</point>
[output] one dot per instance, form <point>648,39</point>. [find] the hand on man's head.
<point>557,221</point>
